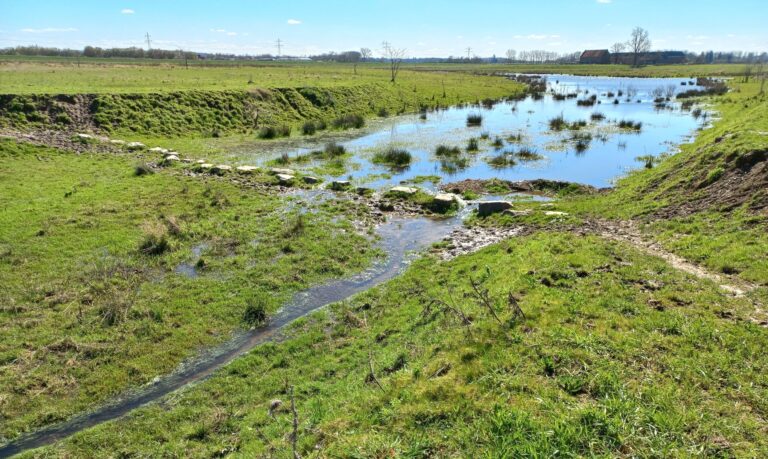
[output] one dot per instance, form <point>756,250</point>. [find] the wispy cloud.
<point>225,32</point>
<point>127,11</point>
<point>604,2</point>
<point>293,22</point>
<point>50,30</point>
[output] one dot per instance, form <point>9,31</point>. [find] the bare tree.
<point>638,43</point>
<point>365,54</point>
<point>616,49</point>
<point>395,57</point>
<point>511,55</point>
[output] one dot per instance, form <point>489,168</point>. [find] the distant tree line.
<point>344,56</point>
<point>95,51</point>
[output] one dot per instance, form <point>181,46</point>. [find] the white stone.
<point>136,146</point>
<point>406,190</point>
<point>552,213</point>
<point>285,178</point>
<point>221,168</point>
<point>171,158</point>
<point>158,150</point>
<point>339,185</point>
<point>246,169</point>
<point>206,166</point>
<point>277,170</point>
<point>85,136</point>
<point>310,179</point>
<point>117,142</point>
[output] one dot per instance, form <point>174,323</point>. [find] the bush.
<point>474,119</point>
<point>349,122</point>
<point>597,116</point>
<point>308,128</point>
<point>383,112</point>
<point>393,157</point>
<point>271,132</point>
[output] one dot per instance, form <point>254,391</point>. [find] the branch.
<point>372,374</point>
<point>482,295</point>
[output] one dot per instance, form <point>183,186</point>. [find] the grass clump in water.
<point>473,145</point>
<point>443,151</point>
<point>474,120</point>
<point>393,157</point>
<point>273,132</point>
<point>630,125</point>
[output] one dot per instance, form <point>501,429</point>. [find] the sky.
<point>425,28</point>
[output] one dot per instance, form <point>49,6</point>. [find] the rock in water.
<point>485,208</point>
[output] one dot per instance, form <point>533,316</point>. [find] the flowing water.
<point>610,153</point>
<point>400,239</point>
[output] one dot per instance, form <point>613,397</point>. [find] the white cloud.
<point>226,32</point>
<point>604,2</point>
<point>293,22</point>
<point>127,11</point>
<point>50,30</point>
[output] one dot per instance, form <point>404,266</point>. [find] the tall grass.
<point>474,119</point>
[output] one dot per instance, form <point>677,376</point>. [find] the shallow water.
<point>611,153</point>
<point>399,239</point>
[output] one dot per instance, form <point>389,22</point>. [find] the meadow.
<point>552,343</point>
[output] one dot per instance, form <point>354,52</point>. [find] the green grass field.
<point>64,76</point>
<point>616,354</point>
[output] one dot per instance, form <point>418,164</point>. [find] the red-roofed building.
<point>595,56</point>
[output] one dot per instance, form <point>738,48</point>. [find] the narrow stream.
<point>400,239</point>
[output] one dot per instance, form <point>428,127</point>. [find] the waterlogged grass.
<point>91,304</point>
<point>611,353</point>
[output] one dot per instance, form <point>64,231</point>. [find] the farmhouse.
<point>595,56</point>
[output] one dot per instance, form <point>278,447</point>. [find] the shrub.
<point>474,119</point>
<point>271,132</point>
<point>321,125</point>
<point>383,112</point>
<point>597,116</point>
<point>308,128</point>
<point>349,121</point>
<point>393,157</point>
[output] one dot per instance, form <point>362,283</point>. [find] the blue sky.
<point>423,27</point>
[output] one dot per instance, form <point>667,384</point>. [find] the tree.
<point>638,44</point>
<point>365,54</point>
<point>511,55</point>
<point>395,58</point>
<point>616,49</point>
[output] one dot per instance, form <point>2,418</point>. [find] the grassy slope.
<point>619,356</point>
<point>718,233</point>
<point>143,102</point>
<point>85,315</point>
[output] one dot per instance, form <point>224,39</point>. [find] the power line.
<point>469,51</point>
<point>149,41</point>
<point>279,47</point>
